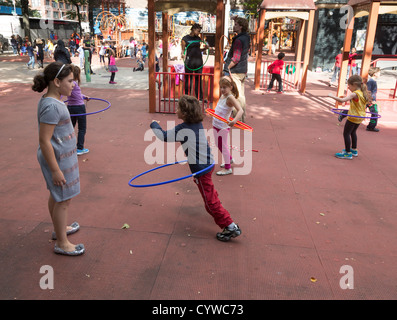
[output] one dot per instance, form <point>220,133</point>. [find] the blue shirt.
<point>372,87</point>
<point>194,142</point>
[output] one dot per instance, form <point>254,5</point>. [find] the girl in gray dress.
<point>57,151</point>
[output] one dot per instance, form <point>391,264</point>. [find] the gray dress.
<point>63,140</point>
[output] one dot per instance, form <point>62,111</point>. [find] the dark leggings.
<point>350,131</point>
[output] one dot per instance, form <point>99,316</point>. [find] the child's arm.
<point>233,102</point>
<point>45,134</point>
<point>166,136</point>
<point>349,97</point>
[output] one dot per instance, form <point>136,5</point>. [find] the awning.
<point>173,6</point>
<point>288,5</point>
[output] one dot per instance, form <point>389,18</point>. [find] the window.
<point>55,15</point>
<point>61,5</point>
<point>54,5</point>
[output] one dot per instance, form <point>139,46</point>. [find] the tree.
<point>73,14</point>
<point>25,17</point>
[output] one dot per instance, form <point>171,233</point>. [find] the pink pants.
<point>211,201</point>
<point>221,136</point>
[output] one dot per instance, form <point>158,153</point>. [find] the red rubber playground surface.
<point>313,226</point>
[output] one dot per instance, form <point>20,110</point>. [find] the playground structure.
<point>114,29</point>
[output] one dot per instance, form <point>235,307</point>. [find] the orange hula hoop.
<point>239,124</point>
<point>221,48</point>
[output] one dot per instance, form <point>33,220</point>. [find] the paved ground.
<point>304,214</point>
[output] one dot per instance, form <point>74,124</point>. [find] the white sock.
<point>232,226</point>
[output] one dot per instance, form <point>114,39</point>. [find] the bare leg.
<point>59,214</point>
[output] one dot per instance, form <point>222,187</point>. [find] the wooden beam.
<point>260,36</point>
<point>345,60</point>
<point>306,58</point>
<point>369,39</point>
<point>218,66</point>
<point>152,51</point>
<point>299,50</point>
<point>165,17</point>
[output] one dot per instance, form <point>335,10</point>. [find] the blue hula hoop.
<point>165,182</point>
<point>348,115</point>
<point>88,113</point>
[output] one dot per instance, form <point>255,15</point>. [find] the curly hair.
<point>243,23</point>
<point>190,108</point>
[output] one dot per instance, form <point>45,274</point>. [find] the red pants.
<point>211,201</point>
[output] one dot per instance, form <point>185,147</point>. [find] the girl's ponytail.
<point>52,71</point>
<point>39,83</point>
<point>357,80</point>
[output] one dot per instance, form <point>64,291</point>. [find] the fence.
<point>291,75</point>
<point>172,85</point>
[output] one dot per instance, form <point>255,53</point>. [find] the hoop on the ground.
<point>208,55</point>
<point>168,181</point>
<point>348,115</point>
<point>239,124</point>
<point>94,112</point>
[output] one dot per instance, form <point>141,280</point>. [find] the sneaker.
<point>226,234</point>
<point>373,129</point>
<point>82,151</point>
<point>344,155</point>
<point>224,172</point>
<point>354,152</point>
<point>112,82</point>
<point>231,162</point>
<point>280,92</point>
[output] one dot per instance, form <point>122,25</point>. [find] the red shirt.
<point>277,66</point>
<point>352,61</point>
<point>338,60</point>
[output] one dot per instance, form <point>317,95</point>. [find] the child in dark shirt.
<point>191,135</point>
<point>372,87</point>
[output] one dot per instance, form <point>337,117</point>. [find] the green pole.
<point>87,66</point>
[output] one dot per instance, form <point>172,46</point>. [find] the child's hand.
<point>58,178</point>
<point>87,98</point>
<point>232,123</point>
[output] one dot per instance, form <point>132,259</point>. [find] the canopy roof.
<point>173,6</point>
<point>362,7</point>
<point>288,5</point>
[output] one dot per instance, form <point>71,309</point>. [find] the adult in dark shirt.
<point>40,52</point>
<point>61,54</point>
<point>87,45</point>
<point>193,60</point>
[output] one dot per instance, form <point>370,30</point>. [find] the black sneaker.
<point>373,129</point>
<point>226,234</point>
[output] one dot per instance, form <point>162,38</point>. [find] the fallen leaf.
<point>125,226</point>
<point>313,279</point>
<point>322,214</point>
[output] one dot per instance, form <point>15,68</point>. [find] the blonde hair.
<point>76,74</point>
<point>228,82</point>
<point>358,81</point>
<point>373,70</point>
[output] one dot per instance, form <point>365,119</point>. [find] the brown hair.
<point>76,74</point>
<point>357,80</point>
<point>373,70</point>
<point>228,82</point>
<point>190,108</point>
<point>243,23</point>
<point>43,79</point>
